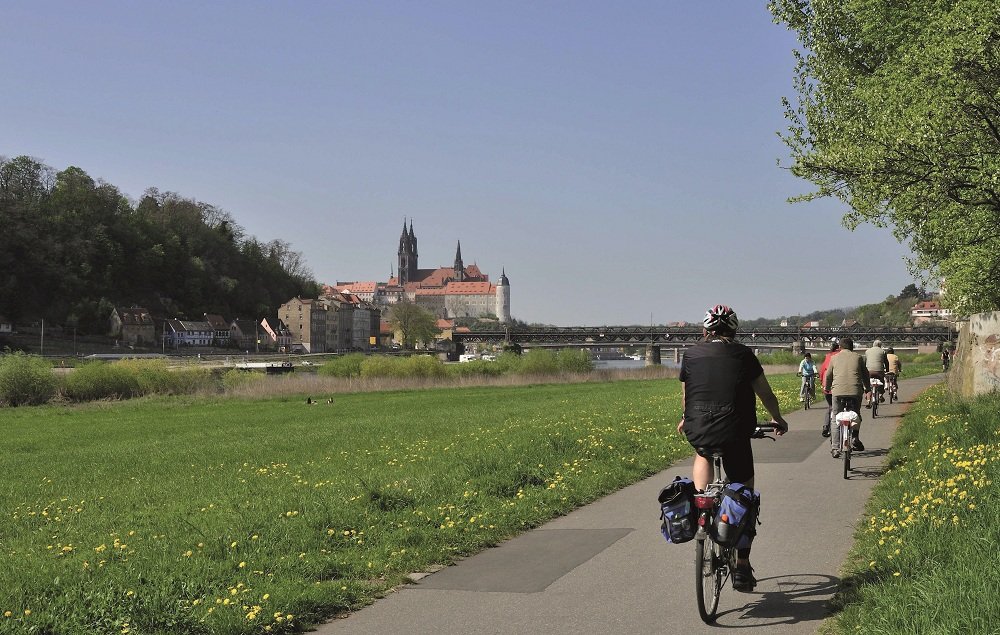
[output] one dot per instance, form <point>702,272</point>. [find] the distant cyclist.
<point>847,380</point>
<point>877,364</point>
<point>895,366</point>
<point>807,371</point>
<point>720,378</point>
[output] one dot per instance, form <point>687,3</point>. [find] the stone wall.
<point>976,367</point>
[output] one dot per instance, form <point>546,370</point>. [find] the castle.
<point>447,292</point>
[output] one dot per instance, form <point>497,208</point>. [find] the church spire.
<point>459,267</point>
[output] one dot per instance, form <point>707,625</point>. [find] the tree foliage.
<point>414,323</point>
<point>898,115</point>
<point>73,248</point>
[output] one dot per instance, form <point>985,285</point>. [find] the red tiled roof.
<point>470,288</point>
<point>926,305</point>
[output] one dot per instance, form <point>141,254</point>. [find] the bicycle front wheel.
<point>708,578</point>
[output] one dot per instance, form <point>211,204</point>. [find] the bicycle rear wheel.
<point>874,404</point>
<point>708,578</point>
<point>845,451</point>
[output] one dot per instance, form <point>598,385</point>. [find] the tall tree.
<point>414,323</point>
<point>898,115</point>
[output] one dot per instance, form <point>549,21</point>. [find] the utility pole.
<point>41,346</point>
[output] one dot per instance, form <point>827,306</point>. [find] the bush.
<point>346,366</point>
<point>380,366</point>
<point>151,376</point>
<point>476,367</point>
<point>575,361</point>
<point>538,362</point>
<point>781,358</point>
<point>26,380</point>
<point>234,380</point>
<point>98,380</point>
<point>413,366</point>
<point>424,366</point>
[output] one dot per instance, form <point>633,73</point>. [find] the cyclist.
<point>945,358</point>
<point>895,366</point>
<point>847,380</point>
<point>834,349</point>
<point>877,364</point>
<point>720,378</point>
<point>807,371</point>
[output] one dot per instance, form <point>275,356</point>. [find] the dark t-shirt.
<point>719,402</point>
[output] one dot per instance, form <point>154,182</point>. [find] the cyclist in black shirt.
<point>721,378</point>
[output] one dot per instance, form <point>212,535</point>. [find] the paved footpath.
<point>605,568</point>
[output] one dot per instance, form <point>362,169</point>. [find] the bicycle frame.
<point>891,387</point>
<point>714,563</point>
<point>841,443</point>
<point>807,391</point>
<point>877,390</point>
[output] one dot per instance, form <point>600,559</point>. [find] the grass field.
<point>221,515</point>
<point>194,515</point>
<point>925,560</point>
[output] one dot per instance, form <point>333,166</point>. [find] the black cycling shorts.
<point>737,459</point>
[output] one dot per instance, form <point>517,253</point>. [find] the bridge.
<point>681,336</point>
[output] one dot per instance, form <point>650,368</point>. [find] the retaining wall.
<point>976,367</point>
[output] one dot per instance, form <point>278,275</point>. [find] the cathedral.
<point>448,292</point>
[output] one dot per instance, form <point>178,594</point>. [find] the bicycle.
<point>842,443</point>
<point>807,392</point>
<point>891,387</point>
<point>876,395</point>
<point>713,562</point>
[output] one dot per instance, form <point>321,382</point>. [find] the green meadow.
<point>221,515</point>
<point>201,514</point>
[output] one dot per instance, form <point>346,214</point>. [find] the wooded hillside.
<point>72,248</point>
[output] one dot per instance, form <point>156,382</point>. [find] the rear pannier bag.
<point>677,511</point>
<point>735,522</point>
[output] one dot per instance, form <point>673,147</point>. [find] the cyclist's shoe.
<point>826,431</point>
<point>858,446</point>
<point>743,579</point>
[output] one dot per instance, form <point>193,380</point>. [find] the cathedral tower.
<point>407,255</point>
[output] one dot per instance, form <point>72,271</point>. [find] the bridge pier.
<point>652,355</point>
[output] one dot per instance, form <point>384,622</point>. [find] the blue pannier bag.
<point>677,511</point>
<point>736,518</point>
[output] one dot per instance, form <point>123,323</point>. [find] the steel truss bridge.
<point>680,336</point>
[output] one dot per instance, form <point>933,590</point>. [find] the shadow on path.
<point>803,597</point>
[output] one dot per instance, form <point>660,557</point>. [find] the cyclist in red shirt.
<point>834,349</point>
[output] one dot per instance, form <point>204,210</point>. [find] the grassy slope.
<point>925,562</point>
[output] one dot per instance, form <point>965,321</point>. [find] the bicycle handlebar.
<point>763,427</point>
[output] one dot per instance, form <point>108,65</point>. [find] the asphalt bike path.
<point>605,568</point>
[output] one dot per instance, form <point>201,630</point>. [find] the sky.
<point>620,161</point>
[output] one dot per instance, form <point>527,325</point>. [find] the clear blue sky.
<point>617,159</point>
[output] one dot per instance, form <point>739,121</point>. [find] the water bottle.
<point>723,530</point>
